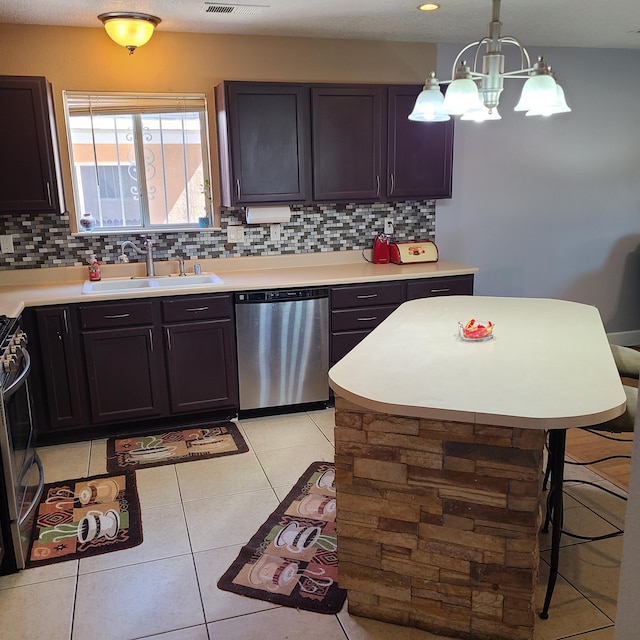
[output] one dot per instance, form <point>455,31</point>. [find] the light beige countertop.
<point>21,288</point>
<point>548,366</point>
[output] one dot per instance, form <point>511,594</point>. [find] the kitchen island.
<point>439,451</point>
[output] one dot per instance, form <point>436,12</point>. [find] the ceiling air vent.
<point>222,8</point>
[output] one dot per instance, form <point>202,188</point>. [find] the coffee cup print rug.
<point>195,442</point>
<point>292,560</point>
<point>85,517</point>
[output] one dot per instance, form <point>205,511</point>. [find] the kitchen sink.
<point>111,285</point>
<point>116,284</point>
<point>188,280</point>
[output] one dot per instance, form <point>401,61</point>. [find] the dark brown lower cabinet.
<point>124,373</point>
<point>201,365</point>
<point>356,310</point>
<point>105,364</point>
<point>199,343</point>
<point>59,366</point>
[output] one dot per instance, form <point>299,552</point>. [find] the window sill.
<point>121,231</point>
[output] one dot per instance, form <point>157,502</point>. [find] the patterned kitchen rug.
<point>85,517</point>
<point>292,560</point>
<point>196,442</point>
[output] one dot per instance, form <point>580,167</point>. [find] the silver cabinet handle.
<point>117,315</point>
<point>444,290</point>
<point>377,185</point>
<point>368,295</point>
<point>393,184</point>
<point>168,338</point>
<point>367,319</point>
<point>49,194</point>
<point>66,324</point>
<point>151,340</point>
<point>237,188</point>
<point>194,309</point>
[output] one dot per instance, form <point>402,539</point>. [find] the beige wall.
<point>87,60</point>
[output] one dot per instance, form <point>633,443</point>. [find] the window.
<point>139,161</point>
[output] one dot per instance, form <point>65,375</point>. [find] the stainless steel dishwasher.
<point>283,347</point>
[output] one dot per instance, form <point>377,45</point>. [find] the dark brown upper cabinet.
<point>328,143</point>
<point>348,129</point>
<point>263,142</point>
<point>419,154</point>
<point>29,163</point>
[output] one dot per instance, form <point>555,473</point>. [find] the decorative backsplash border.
<point>45,241</point>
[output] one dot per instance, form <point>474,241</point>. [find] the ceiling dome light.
<point>129,29</point>
<point>428,6</point>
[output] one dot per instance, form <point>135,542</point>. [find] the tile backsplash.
<point>45,240</point>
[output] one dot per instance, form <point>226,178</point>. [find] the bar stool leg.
<point>557,443</point>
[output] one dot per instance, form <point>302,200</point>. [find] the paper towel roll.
<point>268,215</point>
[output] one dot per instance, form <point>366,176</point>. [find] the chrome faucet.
<point>146,250</point>
<point>181,270</point>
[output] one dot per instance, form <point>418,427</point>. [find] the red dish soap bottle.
<point>94,268</point>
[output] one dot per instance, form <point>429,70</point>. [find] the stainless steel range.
<point>21,473</point>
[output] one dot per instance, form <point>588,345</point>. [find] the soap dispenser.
<point>94,268</point>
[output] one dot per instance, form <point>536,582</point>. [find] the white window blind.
<point>139,161</point>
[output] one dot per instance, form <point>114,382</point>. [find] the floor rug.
<point>292,559</point>
<point>196,442</point>
<point>85,517</point>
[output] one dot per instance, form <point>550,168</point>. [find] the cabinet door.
<point>125,374</point>
<point>60,367</point>
<point>29,162</point>
<point>263,134</point>
<point>201,365</point>
<point>348,129</point>
<point>420,154</point>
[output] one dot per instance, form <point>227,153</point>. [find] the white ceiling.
<point>571,23</point>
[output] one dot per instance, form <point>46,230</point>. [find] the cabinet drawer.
<point>367,295</point>
<point>342,343</point>
<point>120,314</point>
<point>201,308</point>
<point>361,318</point>
<point>431,287</point>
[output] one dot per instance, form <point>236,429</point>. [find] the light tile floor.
<point>197,515</point>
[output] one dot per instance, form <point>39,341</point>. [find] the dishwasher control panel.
<point>281,296</point>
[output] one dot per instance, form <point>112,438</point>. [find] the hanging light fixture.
<point>129,29</point>
<point>474,95</point>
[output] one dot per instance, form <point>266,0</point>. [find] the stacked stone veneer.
<point>438,522</point>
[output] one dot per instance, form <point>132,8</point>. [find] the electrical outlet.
<point>388,226</point>
<point>6,244</point>
<point>235,233</point>
<point>275,232</point>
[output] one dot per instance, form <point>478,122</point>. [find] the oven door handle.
<point>17,383</point>
<point>38,494</point>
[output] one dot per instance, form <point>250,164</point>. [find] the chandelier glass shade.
<point>130,30</point>
<point>475,95</point>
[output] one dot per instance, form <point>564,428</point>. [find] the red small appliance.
<point>380,251</point>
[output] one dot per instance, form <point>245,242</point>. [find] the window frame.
<point>136,105</point>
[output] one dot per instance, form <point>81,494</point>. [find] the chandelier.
<point>474,95</point>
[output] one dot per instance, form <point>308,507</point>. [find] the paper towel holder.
<point>268,214</point>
